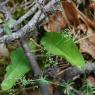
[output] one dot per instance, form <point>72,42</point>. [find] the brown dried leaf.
<point>82,27</point>
<point>71,16</point>
<point>3,51</point>
<point>55,23</point>
<point>88,45</point>
<point>70,12</point>
<point>58,21</point>
<point>91,33</point>
<point>92,5</point>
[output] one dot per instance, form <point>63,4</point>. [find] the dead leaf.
<point>92,5</point>
<point>56,23</point>
<point>71,15</point>
<point>82,27</point>
<point>70,12</point>
<point>87,47</point>
<point>91,33</point>
<point>3,51</point>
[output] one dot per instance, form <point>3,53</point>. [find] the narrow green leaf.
<point>7,29</point>
<point>8,25</point>
<point>62,45</point>
<point>16,69</point>
<point>11,22</point>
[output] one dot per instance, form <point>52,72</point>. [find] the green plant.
<point>88,88</point>
<point>66,87</point>
<point>26,82</point>
<point>49,62</point>
<point>62,45</point>
<point>8,25</point>
<point>18,68</point>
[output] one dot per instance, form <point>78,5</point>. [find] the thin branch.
<point>4,3</point>
<point>7,15</point>
<point>26,30</point>
<point>6,12</point>
<point>35,67</point>
<point>30,12</point>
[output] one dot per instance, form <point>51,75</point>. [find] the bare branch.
<point>23,31</point>
<point>30,12</point>
<point>28,27</point>
<point>35,67</point>
<point>4,3</point>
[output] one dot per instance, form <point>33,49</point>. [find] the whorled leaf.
<point>18,68</point>
<point>8,25</point>
<point>62,45</point>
